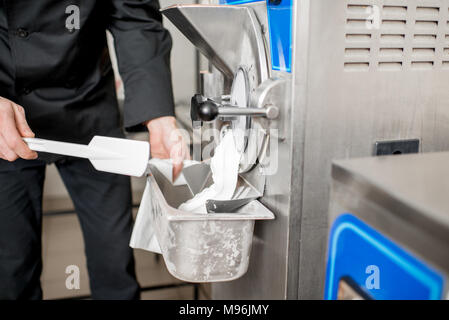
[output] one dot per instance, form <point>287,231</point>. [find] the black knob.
<point>196,102</point>
<point>208,111</point>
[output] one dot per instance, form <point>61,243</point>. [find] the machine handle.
<point>208,110</point>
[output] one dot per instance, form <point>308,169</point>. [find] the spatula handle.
<point>65,148</point>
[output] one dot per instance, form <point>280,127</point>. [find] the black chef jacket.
<point>63,77</point>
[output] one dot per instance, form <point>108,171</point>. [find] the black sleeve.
<point>143,48</point>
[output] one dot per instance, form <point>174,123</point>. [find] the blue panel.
<point>280,24</point>
<point>353,246</point>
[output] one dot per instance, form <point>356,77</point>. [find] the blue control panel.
<point>280,20</point>
<point>374,265</point>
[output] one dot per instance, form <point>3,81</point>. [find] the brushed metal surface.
<point>228,36</point>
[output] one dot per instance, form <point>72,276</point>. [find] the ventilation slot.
<point>394,11</point>
<point>392,38</point>
<point>356,66</point>
<point>391,52</point>
<point>423,52</point>
<point>359,9</point>
<point>425,38</point>
<point>361,38</point>
<point>360,23</point>
<point>394,24</point>
<point>422,65</point>
<point>357,52</point>
<point>427,12</point>
<point>390,66</point>
<point>426,25</point>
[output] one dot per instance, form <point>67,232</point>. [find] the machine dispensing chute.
<point>226,45</point>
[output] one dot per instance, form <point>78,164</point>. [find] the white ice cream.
<point>225,168</point>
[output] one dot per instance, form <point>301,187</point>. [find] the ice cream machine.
<point>319,80</point>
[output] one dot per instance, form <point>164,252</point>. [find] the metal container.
<point>201,247</point>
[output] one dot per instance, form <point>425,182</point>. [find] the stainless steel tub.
<point>201,247</point>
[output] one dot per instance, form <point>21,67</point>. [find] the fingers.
<point>12,145</point>
<point>5,152</point>
<point>177,158</point>
<point>177,153</point>
<point>177,169</point>
<point>21,123</point>
<point>168,141</point>
<point>186,152</point>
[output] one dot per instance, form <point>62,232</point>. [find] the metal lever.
<point>209,110</point>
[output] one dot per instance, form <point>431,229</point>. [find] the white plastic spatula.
<point>114,155</point>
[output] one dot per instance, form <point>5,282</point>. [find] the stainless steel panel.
<point>226,45</point>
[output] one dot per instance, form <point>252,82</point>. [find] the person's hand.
<point>167,142</point>
<point>13,126</point>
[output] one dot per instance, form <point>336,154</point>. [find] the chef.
<point>56,82</point>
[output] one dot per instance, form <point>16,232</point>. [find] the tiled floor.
<point>63,246</point>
